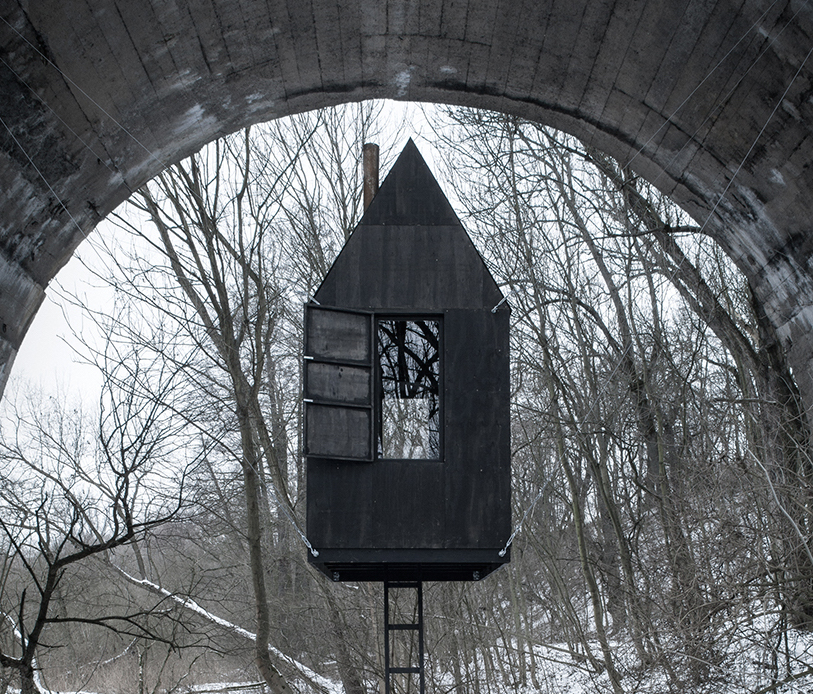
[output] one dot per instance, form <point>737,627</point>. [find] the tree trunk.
<point>348,672</point>
<point>253,491</point>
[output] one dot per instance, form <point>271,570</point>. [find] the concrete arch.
<point>712,100</point>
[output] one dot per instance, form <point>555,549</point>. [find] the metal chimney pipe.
<point>370,165</point>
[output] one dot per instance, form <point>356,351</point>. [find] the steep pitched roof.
<point>409,251</point>
<point>410,196</point>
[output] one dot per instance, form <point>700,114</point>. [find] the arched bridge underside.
<point>711,100</point>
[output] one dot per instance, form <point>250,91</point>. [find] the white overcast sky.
<point>47,360</point>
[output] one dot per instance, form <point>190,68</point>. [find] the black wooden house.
<point>407,396</point>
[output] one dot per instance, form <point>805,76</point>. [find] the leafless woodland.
<point>661,457</point>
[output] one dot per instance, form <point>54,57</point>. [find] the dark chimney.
<point>370,163</point>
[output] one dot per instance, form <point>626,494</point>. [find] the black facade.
<point>407,428</point>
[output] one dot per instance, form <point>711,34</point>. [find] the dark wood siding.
<point>337,335</point>
<point>462,501</point>
<point>433,519</point>
<point>410,504</point>
<point>477,428</point>
<point>338,432</point>
<point>409,267</point>
<point>341,506</point>
<point>338,383</point>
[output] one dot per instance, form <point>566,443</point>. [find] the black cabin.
<point>407,396</point>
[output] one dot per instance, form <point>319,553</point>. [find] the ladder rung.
<point>416,626</point>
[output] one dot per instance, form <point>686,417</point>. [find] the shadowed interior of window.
<point>409,389</point>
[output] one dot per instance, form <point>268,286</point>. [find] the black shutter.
<point>338,377</point>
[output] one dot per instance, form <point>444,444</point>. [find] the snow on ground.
<point>746,670</point>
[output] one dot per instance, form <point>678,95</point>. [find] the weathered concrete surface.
<point>709,99</point>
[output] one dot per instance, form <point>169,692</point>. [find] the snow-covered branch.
<point>321,684</point>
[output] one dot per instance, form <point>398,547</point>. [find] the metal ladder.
<point>415,626</point>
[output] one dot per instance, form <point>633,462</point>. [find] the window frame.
<point>378,387</point>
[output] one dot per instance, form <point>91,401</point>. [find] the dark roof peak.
<point>410,195</point>
<point>409,252</point>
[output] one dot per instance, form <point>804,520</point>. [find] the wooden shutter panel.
<point>338,377</point>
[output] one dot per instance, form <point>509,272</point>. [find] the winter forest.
<point>152,536</point>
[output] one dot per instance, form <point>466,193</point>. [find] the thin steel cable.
<point>284,508</point>
<point>530,508</point>
<point>101,158</point>
<point>42,176</point>
<point>67,78</point>
<point>671,278</point>
<point>708,75</point>
<point>558,467</point>
<point>756,139</point>
<point>503,300</point>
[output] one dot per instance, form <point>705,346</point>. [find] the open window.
<point>344,352</point>
<point>408,372</point>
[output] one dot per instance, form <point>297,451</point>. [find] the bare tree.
<point>634,366</point>
<point>231,242</point>
<point>659,450</point>
<point>73,491</point>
